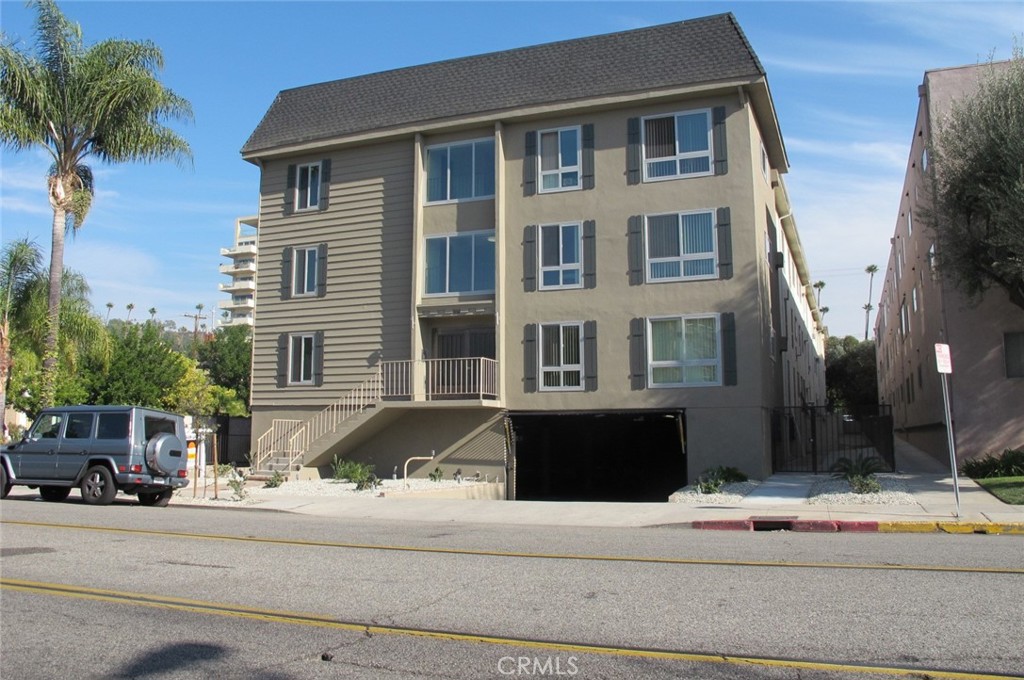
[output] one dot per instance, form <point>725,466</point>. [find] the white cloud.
<point>878,154</point>
<point>970,28</point>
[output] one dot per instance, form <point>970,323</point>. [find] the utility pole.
<point>195,333</point>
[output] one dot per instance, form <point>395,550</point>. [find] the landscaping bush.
<point>714,478</point>
<point>276,480</point>
<point>860,473</point>
<point>437,475</point>
<point>350,470</point>
<point>237,484</point>
<point>864,484</point>
<point>368,482</point>
<point>1009,464</point>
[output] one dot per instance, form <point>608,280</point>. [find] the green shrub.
<point>714,478</point>
<point>276,480</point>
<point>350,470</point>
<point>437,475</point>
<point>705,485</point>
<point>863,466</point>
<point>237,484</point>
<point>225,469</point>
<point>369,482</point>
<point>864,484</point>
<point>1009,464</point>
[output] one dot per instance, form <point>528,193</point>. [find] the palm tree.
<point>130,306</point>
<point>20,261</point>
<point>110,307</point>
<point>75,102</point>
<point>818,285</point>
<point>870,270</point>
<point>152,313</point>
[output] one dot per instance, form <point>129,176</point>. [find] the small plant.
<point>863,466</point>
<point>437,475</point>
<point>350,470</point>
<point>276,480</point>
<point>225,469</point>
<point>864,484</point>
<point>708,485</point>
<point>714,478</point>
<point>1008,464</point>
<point>237,485</point>
<point>369,482</point>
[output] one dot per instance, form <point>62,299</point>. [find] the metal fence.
<point>813,438</point>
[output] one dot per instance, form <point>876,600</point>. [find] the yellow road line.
<point>306,619</point>
<point>512,554</point>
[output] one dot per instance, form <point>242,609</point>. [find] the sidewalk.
<point>778,503</point>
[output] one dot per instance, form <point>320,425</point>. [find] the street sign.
<point>942,358</point>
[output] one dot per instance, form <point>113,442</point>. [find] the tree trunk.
<point>50,351</point>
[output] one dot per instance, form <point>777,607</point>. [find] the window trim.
<point>710,153</point>
<point>302,337</point>
<point>682,257</point>
<point>311,205</point>
<point>308,251</point>
<point>447,146</point>
<point>448,261</point>
<point>562,266</point>
<point>558,172</point>
<point>562,368</point>
<point>683,363</point>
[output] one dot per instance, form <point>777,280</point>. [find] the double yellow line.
<point>306,619</point>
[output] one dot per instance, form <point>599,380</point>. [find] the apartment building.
<point>239,308</point>
<point>572,266</point>
<point>919,308</point>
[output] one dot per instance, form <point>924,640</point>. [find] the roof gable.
<point>677,54</point>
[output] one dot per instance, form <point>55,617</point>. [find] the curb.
<point>855,526</point>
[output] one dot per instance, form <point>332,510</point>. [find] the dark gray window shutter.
<point>588,156</point>
<point>289,190</point>
<point>635,246</point>
<point>724,244</point>
<point>321,270</point>
<point>530,164</point>
<point>530,357</point>
<point>718,140</point>
<point>729,349</point>
<point>530,258</point>
<point>325,183</point>
<point>633,174</point>
<point>589,254</point>
<point>590,356</point>
<point>637,354</point>
<point>286,272</point>
<point>318,358</point>
<point>282,360</point>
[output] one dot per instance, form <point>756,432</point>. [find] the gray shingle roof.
<point>683,53</point>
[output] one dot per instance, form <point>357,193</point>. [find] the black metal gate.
<point>813,438</point>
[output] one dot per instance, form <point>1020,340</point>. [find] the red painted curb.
<point>855,526</point>
<point>820,525</point>
<point>724,524</point>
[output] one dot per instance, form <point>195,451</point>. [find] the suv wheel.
<point>5,487</point>
<point>160,499</point>
<point>54,494</point>
<point>98,486</point>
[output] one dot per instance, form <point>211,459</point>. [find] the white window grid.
<point>682,363</point>
<point>304,274</point>
<point>300,359</point>
<point>566,167</point>
<point>562,267</point>
<point>679,155</point>
<point>566,375</point>
<point>307,186</point>
<point>683,257</point>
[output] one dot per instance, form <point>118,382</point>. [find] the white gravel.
<point>255,492</point>
<point>838,492</point>
<point>730,493</point>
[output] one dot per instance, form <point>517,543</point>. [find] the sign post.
<point>944,363</point>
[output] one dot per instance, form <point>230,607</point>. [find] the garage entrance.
<point>632,456</point>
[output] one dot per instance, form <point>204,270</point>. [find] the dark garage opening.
<point>621,456</point>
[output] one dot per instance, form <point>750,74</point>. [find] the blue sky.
<point>844,77</point>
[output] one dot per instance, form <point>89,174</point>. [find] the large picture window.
<point>460,263</point>
<point>460,171</point>
<point>560,159</point>
<point>677,145</point>
<point>561,360</point>
<point>684,351</point>
<point>681,246</point>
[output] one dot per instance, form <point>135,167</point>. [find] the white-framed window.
<point>684,351</point>
<point>924,160</point>
<point>300,359</point>
<point>559,159</point>
<point>561,248</point>
<point>304,262</point>
<point>681,246</point>
<point>904,319</point>
<point>460,263</point>
<point>561,356</point>
<point>910,221</point>
<point>766,168</point>
<point>460,171</point>
<point>308,187</point>
<point>913,299</point>
<point>677,145</point>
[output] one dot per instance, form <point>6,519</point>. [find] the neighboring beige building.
<point>573,266</point>
<point>918,308</point>
<point>239,309</point>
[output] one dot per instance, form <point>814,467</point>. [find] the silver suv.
<point>101,450</point>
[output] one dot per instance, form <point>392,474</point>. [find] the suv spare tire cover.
<point>164,453</point>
